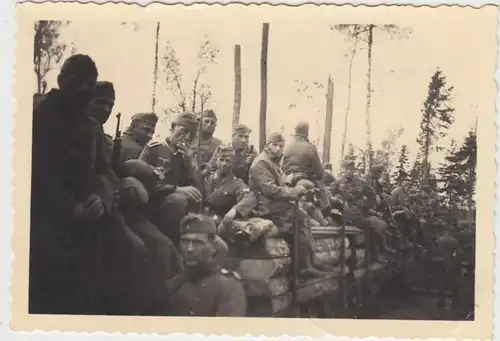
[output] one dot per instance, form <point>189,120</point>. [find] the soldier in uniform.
<point>163,261</point>
<point>227,196</point>
<point>206,141</point>
<point>137,135</point>
<point>178,189</point>
<point>275,201</point>
<point>448,254</point>
<point>204,288</point>
<point>359,200</point>
<point>63,253</point>
<point>301,161</point>
<point>244,153</point>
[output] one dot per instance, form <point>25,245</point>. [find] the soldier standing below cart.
<point>448,255</point>
<point>275,200</point>
<point>206,142</point>
<point>301,161</point>
<point>228,197</point>
<point>62,205</point>
<point>180,176</point>
<point>204,288</point>
<point>137,135</point>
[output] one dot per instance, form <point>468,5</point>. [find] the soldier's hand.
<point>185,150</point>
<point>297,191</point>
<point>230,215</point>
<point>191,193</point>
<point>94,206</point>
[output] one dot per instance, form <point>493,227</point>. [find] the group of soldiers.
<point>137,227</point>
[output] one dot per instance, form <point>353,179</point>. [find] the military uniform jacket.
<point>301,156</point>
<point>131,149</point>
<point>176,169</point>
<point>207,148</point>
<point>222,194</point>
<point>268,182</point>
<point>220,293</point>
<point>358,195</point>
<point>242,162</point>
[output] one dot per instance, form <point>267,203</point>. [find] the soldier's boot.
<point>307,269</point>
<point>383,243</point>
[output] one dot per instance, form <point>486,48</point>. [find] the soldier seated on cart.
<point>275,201</point>
<point>301,161</point>
<point>359,200</point>
<point>180,176</point>
<point>309,203</point>
<point>227,196</point>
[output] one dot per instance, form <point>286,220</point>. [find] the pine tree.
<point>437,117</point>
<point>401,173</point>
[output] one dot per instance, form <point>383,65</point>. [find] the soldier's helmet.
<point>225,151</point>
<point>302,129</point>
<point>148,117</point>
<point>188,120</point>
<point>198,223</point>
<point>241,129</point>
<point>209,113</point>
<point>349,164</point>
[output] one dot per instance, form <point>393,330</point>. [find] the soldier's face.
<point>196,248</point>
<point>181,135</point>
<point>224,164</point>
<point>240,141</point>
<point>144,131</point>
<point>209,124</point>
<point>100,108</point>
<point>349,173</point>
<point>276,148</point>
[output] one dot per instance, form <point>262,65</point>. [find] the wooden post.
<point>328,121</point>
<point>263,86</point>
<point>237,85</point>
<point>155,72</point>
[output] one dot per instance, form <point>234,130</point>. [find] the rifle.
<point>117,145</point>
<point>199,161</point>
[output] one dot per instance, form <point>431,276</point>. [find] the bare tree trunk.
<point>369,99</point>
<point>155,72</point>
<point>346,116</point>
<point>328,121</point>
<point>237,85</point>
<point>263,86</point>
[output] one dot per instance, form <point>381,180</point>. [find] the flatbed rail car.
<point>265,266</point>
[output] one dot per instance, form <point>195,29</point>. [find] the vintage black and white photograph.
<point>235,162</point>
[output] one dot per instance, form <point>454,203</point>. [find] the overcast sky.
<point>303,47</point>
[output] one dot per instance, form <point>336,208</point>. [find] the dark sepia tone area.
<point>180,209</point>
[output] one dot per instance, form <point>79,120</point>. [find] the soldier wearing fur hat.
<point>180,178</point>
<point>275,200</point>
<point>244,153</point>
<point>301,161</point>
<point>206,142</point>
<point>137,135</point>
<point>204,288</point>
<point>228,197</point>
